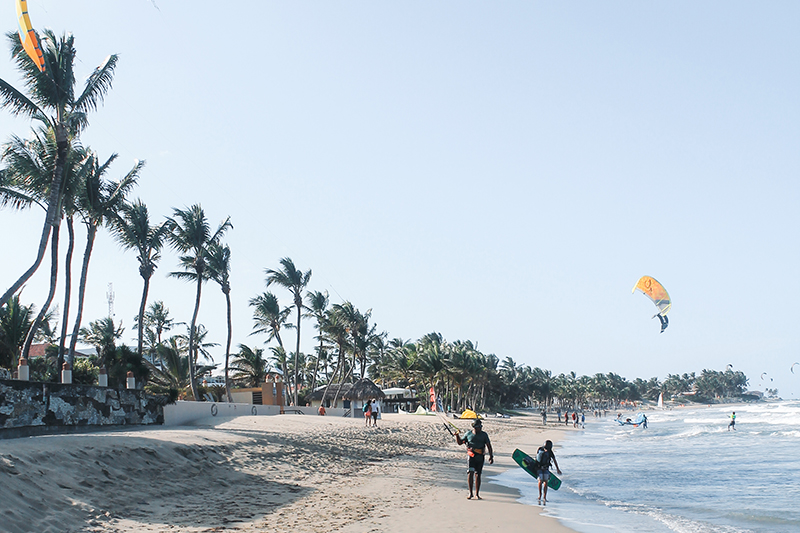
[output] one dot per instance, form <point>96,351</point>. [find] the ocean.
<point>685,473</point>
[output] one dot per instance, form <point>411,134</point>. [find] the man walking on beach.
<point>544,456</point>
<point>477,442</point>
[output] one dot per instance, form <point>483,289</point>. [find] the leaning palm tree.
<point>190,234</point>
<point>52,101</point>
<point>100,202</point>
<point>133,231</point>
<point>26,181</point>
<point>219,268</point>
<point>289,277</point>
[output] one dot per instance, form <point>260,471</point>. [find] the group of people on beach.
<point>578,421</point>
<point>478,444</point>
<point>372,410</point>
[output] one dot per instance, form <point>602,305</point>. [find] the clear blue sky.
<point>499,172</point>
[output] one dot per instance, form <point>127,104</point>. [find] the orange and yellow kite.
<point>27,36</point>
<point>651,288</point>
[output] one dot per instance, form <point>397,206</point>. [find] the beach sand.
<point>271,473</point>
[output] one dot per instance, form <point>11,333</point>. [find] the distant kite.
<point>792,367</point>
<point>27,36</point>
<point>729,367</point>
<point>764,374</point>
<point>658,294</point>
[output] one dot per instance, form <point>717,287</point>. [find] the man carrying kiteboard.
<point>477,442</point>
<point>544,455</point>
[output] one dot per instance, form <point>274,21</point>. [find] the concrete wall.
<point>183,413</point>
<point>28,407</point>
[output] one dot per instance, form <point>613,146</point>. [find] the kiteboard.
<point>529,464</point>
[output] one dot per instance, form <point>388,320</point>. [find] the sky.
<point>500,172</point>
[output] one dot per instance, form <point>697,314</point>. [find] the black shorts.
<point>374,415</point>
<point>476,463</point>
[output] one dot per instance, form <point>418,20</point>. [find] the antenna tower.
<point>110,297</point>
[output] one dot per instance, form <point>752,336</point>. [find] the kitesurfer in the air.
<point>664,322</point>
<point>478,444</point>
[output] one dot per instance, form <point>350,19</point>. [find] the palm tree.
<point>157,317</point>
<point>27,181</point>
<point>103,335</point>
<point>15,322</point>
<point>295,281</point>
<point>132,229</point>
<point>99,203</point>
<point>317,305</point>
<point>190,234</point>
<point>219,269</point>
<point>53,92</point>
<point>175,372</point>
<point>249,366</point>
<point>268,317</point>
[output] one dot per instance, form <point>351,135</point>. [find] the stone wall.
<point>28,407</point>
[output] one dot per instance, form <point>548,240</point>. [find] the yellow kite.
<point>658,294</point>
<point>27,36</point>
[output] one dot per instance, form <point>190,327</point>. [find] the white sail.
<point>661,401</point>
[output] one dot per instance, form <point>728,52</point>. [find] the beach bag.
<point>367,408</point>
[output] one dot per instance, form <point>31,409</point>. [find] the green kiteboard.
<point>529,464</point>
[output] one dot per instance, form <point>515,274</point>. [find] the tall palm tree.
<point>317,305</point>
<point>100,202</point>
<point>219,269</point>
<point>191,234</point>
<point>133,231</point>
<point>52,101</point>
<point>294,280</point>
<point>27,181</point>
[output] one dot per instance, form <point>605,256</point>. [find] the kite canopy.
<point>27,36</point>
<point>651,288</point>
<point>469,413</point>
<point>792,367</point>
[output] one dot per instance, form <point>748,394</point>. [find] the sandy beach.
<point>280,473</point>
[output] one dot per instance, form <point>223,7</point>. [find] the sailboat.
<point>661,401</point>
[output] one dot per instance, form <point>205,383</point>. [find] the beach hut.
<point>362,391</point>
<point>335,390</point>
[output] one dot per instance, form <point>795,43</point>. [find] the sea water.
<point>686,472</point>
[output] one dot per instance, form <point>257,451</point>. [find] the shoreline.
<point>296,473</point>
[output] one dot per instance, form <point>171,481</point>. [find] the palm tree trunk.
<point>53,211</point>
<point>53,280</point>
<point>67,292</point>
<point>142,307</point>
<point>228,346</point>
<point>87,254</point>
<point>299,305</point>
<point>192,380</point>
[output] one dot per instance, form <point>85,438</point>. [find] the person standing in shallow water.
<point>733,421</point>
<point>477,442</point>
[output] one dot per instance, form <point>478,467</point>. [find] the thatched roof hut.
<point>363,389</point>
<point>335,390</point>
